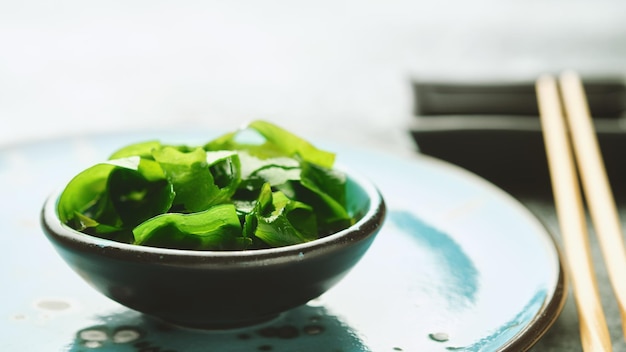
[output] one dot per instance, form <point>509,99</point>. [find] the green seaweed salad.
<point>257,187</point>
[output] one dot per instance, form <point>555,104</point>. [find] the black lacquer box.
<point>493,130</point>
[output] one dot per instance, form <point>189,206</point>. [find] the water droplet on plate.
<point>313,329</point>
<point>126,335</point>
<point>56,305</point>
<point>92,344</point>
<point>439,336</point>
<point>93,335</point>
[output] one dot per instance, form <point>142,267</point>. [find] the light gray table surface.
<point>339,70</point>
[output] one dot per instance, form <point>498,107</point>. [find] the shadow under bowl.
<point>219,289</point>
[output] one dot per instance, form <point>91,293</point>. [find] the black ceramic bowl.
<point>217,289</point>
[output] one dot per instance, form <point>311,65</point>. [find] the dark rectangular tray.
<point>493,130</point>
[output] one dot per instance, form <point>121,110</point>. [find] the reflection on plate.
<point>458,266</point>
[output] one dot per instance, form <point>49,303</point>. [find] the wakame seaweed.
<point>231,193</point>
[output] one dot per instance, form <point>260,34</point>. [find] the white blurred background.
<point>331,68</point>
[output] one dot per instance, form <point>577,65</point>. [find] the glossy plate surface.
<point>458,266</point>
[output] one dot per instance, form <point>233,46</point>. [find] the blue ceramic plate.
<point>458,266</point>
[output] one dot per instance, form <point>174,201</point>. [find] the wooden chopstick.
<point>571,214</point>
<point>596,186</point>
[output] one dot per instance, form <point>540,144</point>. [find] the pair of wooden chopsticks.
<point>564,131</point>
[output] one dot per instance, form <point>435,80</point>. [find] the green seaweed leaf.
<point>216,228</point>
<point>281,221</point>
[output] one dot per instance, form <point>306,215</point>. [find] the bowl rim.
<point>365,227</point>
